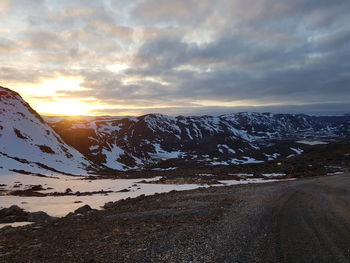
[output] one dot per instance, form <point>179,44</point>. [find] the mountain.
<point>29,145</point>
<point>155,140</point>
<point>81,145</point>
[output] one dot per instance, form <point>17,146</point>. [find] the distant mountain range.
<point>157,140</point>
<point>77,145</point>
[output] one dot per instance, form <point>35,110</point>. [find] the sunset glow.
<point>64,107</point>
<point>176,56</point>
<point>46,98</point>
<point>49,87</point>
<point>137,100</point>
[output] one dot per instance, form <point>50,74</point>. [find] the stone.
<point>82,210</point>
<point>39,217</point>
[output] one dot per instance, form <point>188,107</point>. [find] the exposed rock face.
<point>17,214</point>
<point>134,142</point>
<point>29,145</point>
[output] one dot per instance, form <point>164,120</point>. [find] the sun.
<point>64,107</point>
<point>45,97</point>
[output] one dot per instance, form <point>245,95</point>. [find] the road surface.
<point>306,220</point>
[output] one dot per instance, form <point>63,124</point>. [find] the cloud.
<point>113,30</point>
<point>4,5</point>
<point>313,109</point>
<point>272,10</point>
<point>12,76</point>
<point>8,46</point>
<point>42,40</point>
<point>179,11</point>
<point>182,54</point>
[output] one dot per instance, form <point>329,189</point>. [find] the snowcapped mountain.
<point>78,145</point>
<point>29,145</point>
<point>158,140</point>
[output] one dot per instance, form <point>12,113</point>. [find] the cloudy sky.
<point>122,57</point>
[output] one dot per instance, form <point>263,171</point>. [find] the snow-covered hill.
<point>29,145</point>
<point>158,140</point>
<point>76,145</point>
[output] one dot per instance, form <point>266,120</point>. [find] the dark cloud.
<point>179,11</point>
<point>178,54</point>
<point>312,109</point>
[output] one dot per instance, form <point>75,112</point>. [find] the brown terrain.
<point>305,220</point>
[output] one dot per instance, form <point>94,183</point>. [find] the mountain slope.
<point>158,140</point>
<point>29,144</point>
<point>76,145</point>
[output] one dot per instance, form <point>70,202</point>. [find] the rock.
<point>15,209</point>
<point>82,210</point>
<point>106,238</point>
<point>6,228</point>
<point>7,255</point>
<point>109,205</point>
<point>38,187</point>
<point>13,214</point>
<point>131,242</point>
<point>73,215</point>
<point>39,217</point>
<point>124,191</point>
<point>70,214</point>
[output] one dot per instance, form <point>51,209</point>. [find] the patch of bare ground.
<point>305,220</point>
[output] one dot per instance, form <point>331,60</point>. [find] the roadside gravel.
<point>306,220</point>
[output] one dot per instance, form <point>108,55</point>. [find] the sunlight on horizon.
<point>44,97</point>
<point>51,97</point>
<point>66,107</point>
<point>49,87</point>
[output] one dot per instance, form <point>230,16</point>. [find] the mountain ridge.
<point>230,139</point>
<point>29,145</point>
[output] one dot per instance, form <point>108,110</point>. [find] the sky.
<point>122,57</point>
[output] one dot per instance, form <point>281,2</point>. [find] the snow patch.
<point>312,142</point>
<point>163,154</point>
<point>112,156</point>
<point>297,150</point>
<point>62,205</point>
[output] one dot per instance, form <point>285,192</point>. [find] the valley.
<point>174,131</point>
<point>156,188</point>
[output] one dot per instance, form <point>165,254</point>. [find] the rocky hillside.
<point>77,145</point>
<point>157,140</point>
<point>29,145</point>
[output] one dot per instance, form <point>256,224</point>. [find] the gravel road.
<point>306,220</point>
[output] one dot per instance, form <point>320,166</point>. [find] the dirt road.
<point>306,220</point>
